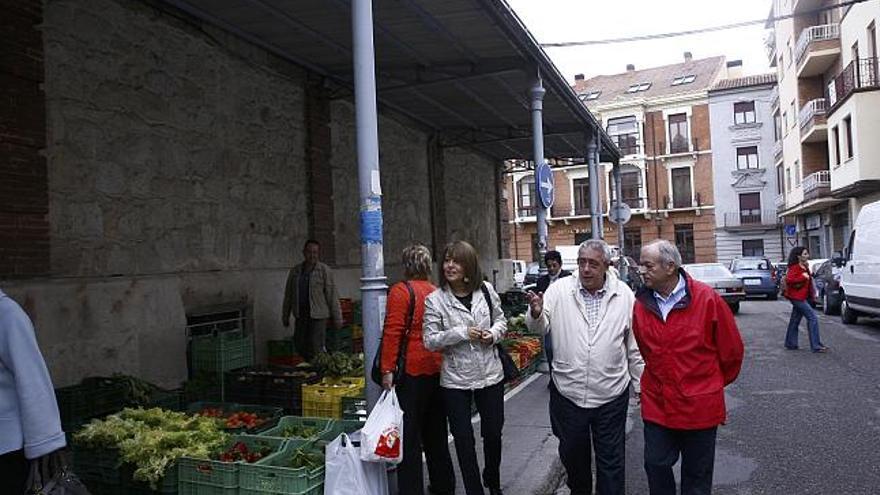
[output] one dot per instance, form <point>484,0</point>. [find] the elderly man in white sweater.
<point>594,361</point>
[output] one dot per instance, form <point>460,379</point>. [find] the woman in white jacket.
<point>464,320</point>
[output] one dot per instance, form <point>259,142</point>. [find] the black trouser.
<point>605,428</point>
<point>490,405</point>
<point>308,337</point>
<point>662,448</point>
<point>13,473</point>
<point>424,427</point>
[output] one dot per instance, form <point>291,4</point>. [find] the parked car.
<point>532,274</point>
<point>814,265</point>
<point>519,273</point>
<point>725,283</point>
<point>628,269</point>
<point>758,275</point>
<point>826,286</point>
<point>860,278</point>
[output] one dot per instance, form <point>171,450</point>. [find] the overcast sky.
<point>578,20</point>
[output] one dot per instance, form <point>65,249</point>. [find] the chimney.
<point>688,56</point>
<point>630,67</point>
<point>578,77</point>
<point>734,69</point>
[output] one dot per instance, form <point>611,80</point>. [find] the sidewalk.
<point>530,463</point>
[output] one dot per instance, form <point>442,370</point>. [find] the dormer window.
<point>683,80</point>
<point>590,95</point>
<point>635,88</point>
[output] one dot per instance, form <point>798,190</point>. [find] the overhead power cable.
<point>567,44</point>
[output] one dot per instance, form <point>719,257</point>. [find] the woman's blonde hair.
<point>416,262</point>
<point>465,255</point>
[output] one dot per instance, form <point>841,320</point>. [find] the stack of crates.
<point>92,398</point>
<point>221,353</point>
<point>282,353</point>
<point>324,399</point>
<point>339,339</point>
<point>277,387</point>
<point>214,477</point>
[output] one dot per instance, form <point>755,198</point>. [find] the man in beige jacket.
<point>310,294</point>
<point>595,360</point>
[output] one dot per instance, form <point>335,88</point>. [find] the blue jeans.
<point>801,309</point>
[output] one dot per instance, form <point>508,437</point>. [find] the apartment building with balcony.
<point>659,118</point>
<point>825,57</point>
<point>745,186</point>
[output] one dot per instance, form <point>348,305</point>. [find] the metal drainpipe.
<point>537,93</point>
<point>618,192</point>
<point>593,170</point>
<point>373,287</point>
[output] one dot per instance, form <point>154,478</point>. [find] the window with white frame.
<point>636,88</point>
<point>682,192</point>
<point>678,133</point>
<point>581,195</point>
<point>624,131</point>
<point>630,186</point>
<point>747,158</point>
<point>683,80</point>
<point>525,191</point>
<point>744,112</point>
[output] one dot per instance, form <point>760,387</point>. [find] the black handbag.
<point>511,372</point>
<point>51,475</point>
<point>376,371</point>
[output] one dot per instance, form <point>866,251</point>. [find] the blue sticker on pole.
<point>371,226</point>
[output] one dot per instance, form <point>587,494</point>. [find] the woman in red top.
<point>798,290</point>
<point>418,389</point>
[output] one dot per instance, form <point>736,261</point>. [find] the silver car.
<point>717,276</point>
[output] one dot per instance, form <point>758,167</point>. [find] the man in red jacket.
<point>692,350</point>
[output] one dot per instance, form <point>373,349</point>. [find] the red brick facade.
<point>566,231</point>
<point>24,197</point>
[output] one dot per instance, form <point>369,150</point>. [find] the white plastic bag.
<point>346,474</point>
<point>382,434</point>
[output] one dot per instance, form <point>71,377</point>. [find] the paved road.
<point>799,423</point>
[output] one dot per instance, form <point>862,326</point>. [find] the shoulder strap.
<point>488,301</point>
<point>401,350</point>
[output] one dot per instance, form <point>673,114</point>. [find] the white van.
<point>860,278</point>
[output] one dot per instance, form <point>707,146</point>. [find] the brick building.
<point>659,118</point>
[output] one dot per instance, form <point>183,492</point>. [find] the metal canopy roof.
<point>462,68</point>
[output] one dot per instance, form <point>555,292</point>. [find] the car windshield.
<point>750,264</point>
<point>707,272</point>
<point>534,269</point>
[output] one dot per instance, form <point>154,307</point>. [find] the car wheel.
<point>848,315</point>
<point>735,307</point>
<point>828,306</point>
<point>772,297</point>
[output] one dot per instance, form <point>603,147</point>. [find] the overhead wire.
<point>646,37</point>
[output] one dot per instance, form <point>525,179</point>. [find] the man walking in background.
<point>310,295</point>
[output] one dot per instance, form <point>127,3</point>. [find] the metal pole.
<point>373,288</point>
<point>618,193</point>
<point>537,93</point>
<point>593,169</point>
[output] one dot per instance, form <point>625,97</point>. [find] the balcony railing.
<point>774,97</point>
<point>777,150</point>
<point>750,218</point>
<point>770,47</point>
<point>859,74</point>
<point>814,33</point>
<point>817,184</point>
<point>525,212</point>
<point>811,110</point>
<point>780,201</point>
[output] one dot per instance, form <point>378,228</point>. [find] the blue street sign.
<point>790,230</point>
<point>544,178</point>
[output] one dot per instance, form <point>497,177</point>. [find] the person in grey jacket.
<point>30,426</point>
<point>464,320</point>
<point>310,294</point>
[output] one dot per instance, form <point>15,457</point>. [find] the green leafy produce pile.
<point>299,431</point>
<point>153,439</point>
<point>307,459</point>
<point>339,364</point>
<point>517,324</point>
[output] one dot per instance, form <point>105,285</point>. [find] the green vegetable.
<point>339,364</point>
<point>299,431</point>
<point>309,460</point>
<point>153,439</point>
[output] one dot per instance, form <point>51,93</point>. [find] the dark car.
<point>758,276</point>
<point>826,286</point>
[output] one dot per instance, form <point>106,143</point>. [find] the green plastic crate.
<point>320,424</point>
<point>207,476</point>
<point>93,398</point>
<point>273,476</point>
<point>283,347</point>
<point>167,486</point>
<point>223,352</point>
<point>171,400</point>
<point>98,468</point>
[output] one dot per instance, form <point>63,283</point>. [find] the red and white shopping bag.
<point>382,434</point>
